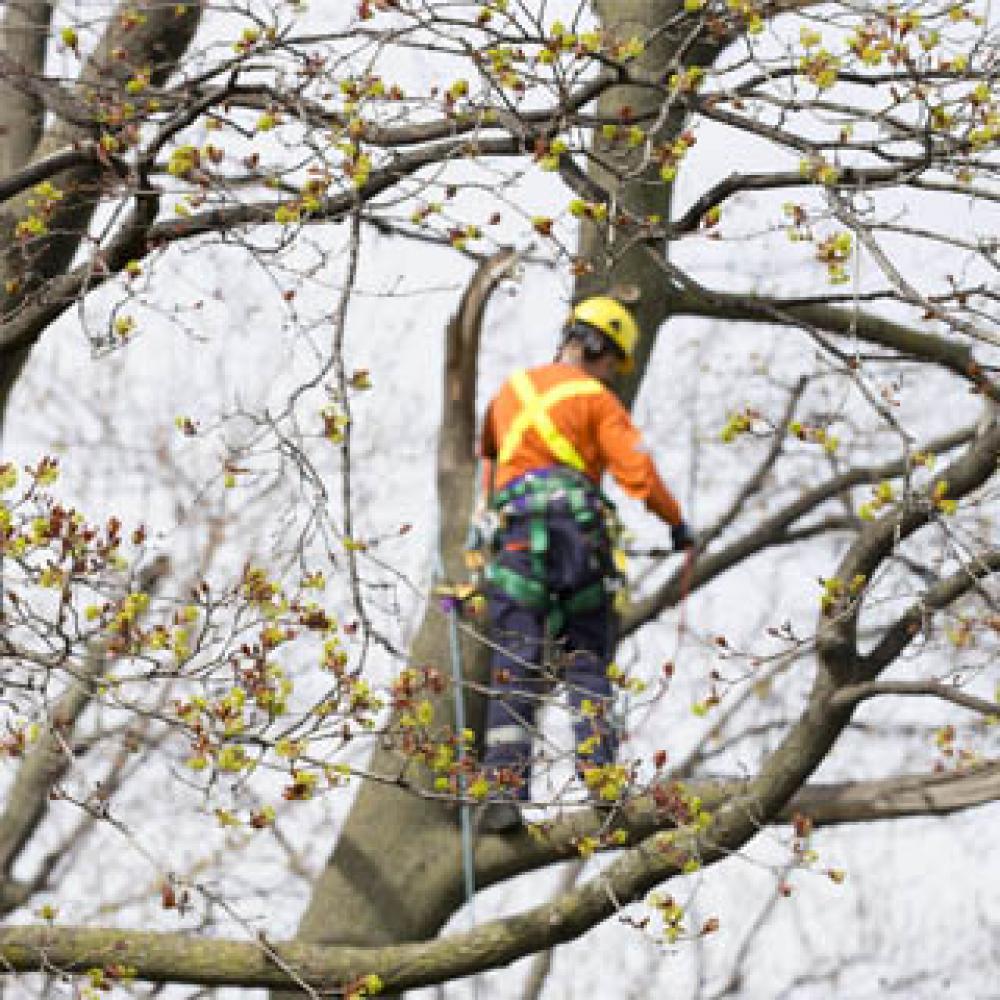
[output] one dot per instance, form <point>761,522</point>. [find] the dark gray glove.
<point>681,537</point>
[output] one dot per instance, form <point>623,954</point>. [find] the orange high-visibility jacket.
<point>558,415</point>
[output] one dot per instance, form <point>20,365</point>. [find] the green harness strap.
<point>538,494</point>
<point>540,491</point>
<point>523,589</point>
<point>538,534</point>
<point>533,594</point>
<point>531,590</point>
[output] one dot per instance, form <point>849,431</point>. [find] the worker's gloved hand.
<point>681,537</point>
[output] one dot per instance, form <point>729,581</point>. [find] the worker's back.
<point>557,414</point>
<point>529,421</point>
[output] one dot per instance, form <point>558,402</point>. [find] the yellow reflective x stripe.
<point>535,413</point>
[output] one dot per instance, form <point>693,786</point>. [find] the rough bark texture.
<point>167,957</point>
<point>633,180</point>
<point>24,37</point>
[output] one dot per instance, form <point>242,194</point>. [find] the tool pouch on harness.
<point>553,549</point>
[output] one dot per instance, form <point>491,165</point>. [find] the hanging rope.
<point>465,812</point>
<point>458,692</point>
<point>453,606</point>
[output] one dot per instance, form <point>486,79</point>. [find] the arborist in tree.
<point>549,435</point>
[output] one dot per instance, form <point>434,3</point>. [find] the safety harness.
<point>538,494</point>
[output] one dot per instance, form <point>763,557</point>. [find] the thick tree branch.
<point>931,793</point>
<point>154,42</point>
<point>456,444</point>
<point>474,120</point>
<point>696,300</point>
<point>33,316</point>
<point>13,184</point>
<point>24,36</point>
<point>180,957</point>
<point>541,966</point>
<point>33,88</point>
<point>828,526</point>
<point>935,794</point>
<point>44,764</point>
<point>738,817</point>
<point>48,760</point>
<point>357,898</point>
<point>848,178</point>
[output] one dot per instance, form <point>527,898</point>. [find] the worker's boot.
<point>501,816</point>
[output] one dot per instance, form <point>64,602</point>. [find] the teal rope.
<point>468,865</point>
<point>465,814</point>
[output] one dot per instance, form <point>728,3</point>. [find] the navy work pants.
<point>577,557</point>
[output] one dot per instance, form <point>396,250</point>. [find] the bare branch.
<point>773,529</point>
<point>31,87</point>
<point>541,967</point>
<point>14,183</point>
<point>156,40</point>
<point>135,240</point>
<point>48,759</point>
<point>756,481</point>
<point>909,625</point>
<point>696,300</point>
<point>837,636</point>
<point>854,694</point>
<point>848,178</point>
<point>935,794</point>
<point>457,443</point>
<point>181,958</point>
<point>45,763</point>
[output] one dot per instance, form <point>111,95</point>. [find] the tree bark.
<point>396,874</point>
<point>615,256</point>
<point>24,36</point>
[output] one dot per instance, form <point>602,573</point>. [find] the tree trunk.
<point>617,261</point>
<point>24,36</point>
<point>396,873</point>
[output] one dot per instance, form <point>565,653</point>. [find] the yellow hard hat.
<point>613,320</point>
